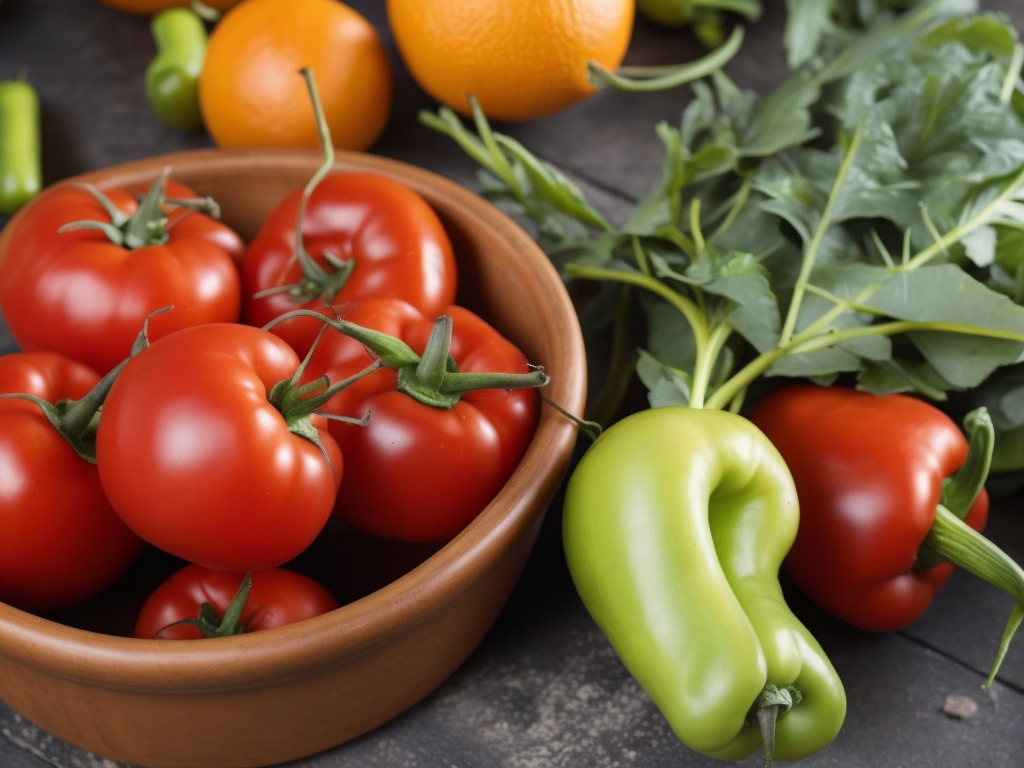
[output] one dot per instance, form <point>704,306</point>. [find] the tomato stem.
<point>317,282</point>
<point>435,361</point>
<point>210,624</point>
<point>437,383</point>
<point>149,224</point>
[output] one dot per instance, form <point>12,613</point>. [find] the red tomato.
<point>388,236</point>
<point>416,472</point>
<point>276,597</point>
<point>199,461</point>
<point>62,543</point>
<point>78,293</point>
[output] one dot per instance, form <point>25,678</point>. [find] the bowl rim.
<point>129,663</point>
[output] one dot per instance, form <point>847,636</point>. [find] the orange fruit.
<point>251,92</point>
<point>521,59</point>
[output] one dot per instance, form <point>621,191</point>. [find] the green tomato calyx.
<point>210,624</point>
<point>431,378</point>
<point>151,223</point>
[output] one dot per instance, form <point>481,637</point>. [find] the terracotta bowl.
<point>411,615</point>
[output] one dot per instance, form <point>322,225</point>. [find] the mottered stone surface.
<point>544,689</point>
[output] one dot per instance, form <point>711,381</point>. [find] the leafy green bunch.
<point>864,220</point>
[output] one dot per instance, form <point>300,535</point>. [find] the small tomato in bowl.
<point>197,602</point>
<point>81,268</point>
<point>61,541</point>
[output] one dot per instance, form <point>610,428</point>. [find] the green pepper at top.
<point>675,526</point>
<point>172,77</point>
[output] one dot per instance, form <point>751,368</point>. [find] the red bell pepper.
<point>891,500</point>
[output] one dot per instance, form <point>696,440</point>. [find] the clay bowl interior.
<point>410,615</point>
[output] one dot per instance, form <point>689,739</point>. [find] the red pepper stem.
<point>960,491</point>
<point>953,540</point>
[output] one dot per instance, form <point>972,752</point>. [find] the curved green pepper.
<point>675,525</point>
<point>172,77</point>
<point>20,154</point>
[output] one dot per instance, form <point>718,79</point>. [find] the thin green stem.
<point>1012,74</point>
<point>738,202</point>
<point>499,163</point>
<point>811,251</point>
<point>660,78</point>
<point>958,233</point>
<point>705,364</point>
<point>803,343</point>
<point>751,9</point>
<point>689,310</point>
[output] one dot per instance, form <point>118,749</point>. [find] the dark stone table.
<point>544,689</point>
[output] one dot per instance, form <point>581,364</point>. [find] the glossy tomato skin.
<point>397,242</point>
<point>415,472</point>
<point>196,459</point>
<point>62,542</point>
<point>78,293</point>
<point>278,596</point>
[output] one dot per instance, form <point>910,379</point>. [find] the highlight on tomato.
<point>196,602</point>
<point>209,450</point>
<point>62,542</point>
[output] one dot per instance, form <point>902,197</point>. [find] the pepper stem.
<point>772,702</point>
<point>960,491</point>
<point>953,540</point>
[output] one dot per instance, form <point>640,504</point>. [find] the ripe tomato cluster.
<point>218,400</point>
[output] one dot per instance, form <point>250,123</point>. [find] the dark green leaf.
<point>665,386</point>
